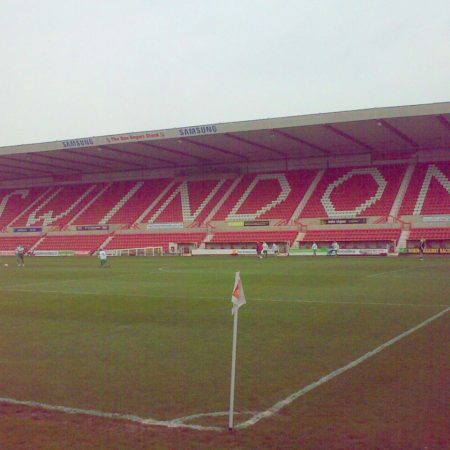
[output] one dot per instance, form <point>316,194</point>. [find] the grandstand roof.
<point>384,133</point>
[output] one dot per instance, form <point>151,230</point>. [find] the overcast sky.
<point>79,68</point>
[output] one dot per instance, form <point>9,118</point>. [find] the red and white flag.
<point>238,296</point>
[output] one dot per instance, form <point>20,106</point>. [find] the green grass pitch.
<point>151,337</point>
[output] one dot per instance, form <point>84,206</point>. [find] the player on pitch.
<point>20,252</point>
<point>103,259</point>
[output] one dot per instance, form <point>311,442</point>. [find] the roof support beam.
<point>133,171</point>
<point>255,144</point>
<point>217,149</point>
<point>347,136</point>
<point>12,174</point>
<point>69,161</point>
<point>301,141</point>
<point>170,150</point>
<point>108,158</point>
<point>24,168</point>
<point>98,166</point>
<point>398,133</point>
<point>36,163</point>
<point>443,121</point>
<point>137,155</point>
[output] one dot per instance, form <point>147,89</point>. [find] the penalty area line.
<point>288,400</point>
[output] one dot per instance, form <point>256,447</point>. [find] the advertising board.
<point>306,252</point>
<point>355,220</point>
<point>55,253</point>
<point>427,251</point>
<point>153,226</point>
<point>92,227</point>
<point>27,230</point>
<point>223,251</point>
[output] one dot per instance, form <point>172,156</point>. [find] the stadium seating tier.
<point>340,192</point>
<point>428,192</point>
<point>15,202</point>
<point>254,236</point>
<point>143,240</point>
<point>352,192</point>
<point>59,205</point>
<point>435,233</point>
<point>82,243</point>
<point>10,243</point>
<point>340,235</point>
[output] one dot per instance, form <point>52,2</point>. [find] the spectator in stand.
<point>314,249</point>
<point>422,246</point>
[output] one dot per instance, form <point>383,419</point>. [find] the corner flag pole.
<point>233,371</point>
<point>237,299</point>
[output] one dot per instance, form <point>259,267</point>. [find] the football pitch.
<point>147,343</point>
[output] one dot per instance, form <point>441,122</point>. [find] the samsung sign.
<point>195,131</point>
<point>78,142</point>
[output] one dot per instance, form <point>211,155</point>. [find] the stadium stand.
<point>122,202</point>
<point>58,206</point>
<point>436,233</point>
<point>354,235</point>
<point>266,196</point>
<point>142,240</point>
<point>188,201</point>
<point>277,180</point>
<point>351,192</point>
<point>429,190</point>
<point>9,243</point>
<point>15,202</point>
<point>105,204</point>
<point>87,243</point>
<point>254,236</point>
<point>201,197</point>
<point>166,207</point>
<point>253,196</point>
<point>368,191</point>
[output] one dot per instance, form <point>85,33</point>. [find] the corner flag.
<point>238,299</point>
<point>238,296</point>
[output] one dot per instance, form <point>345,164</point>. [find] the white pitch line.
<point>177,423</point>
<point>52,283</point>
<point>286,300</point>
<point>324,302</point>
<point>213,414</point>
<point>42,283</point>
<point>405,269</point>
<point>282,403</point>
